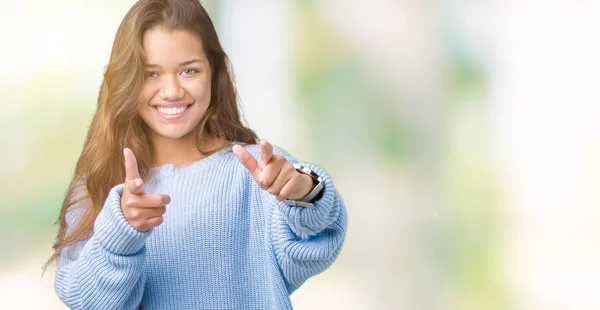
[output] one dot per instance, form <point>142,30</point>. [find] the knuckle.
<point>291,168</point>
<point>288,171</point>
<point>124,206</point>
<point>263,182</point>
<point>130,201</point>
<point>139,225</point>
<point>273,191</point>
<point>283,194</point>
<point>135,214</point>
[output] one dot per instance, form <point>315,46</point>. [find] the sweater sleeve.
<point>106,270</point>
<point>306,241</point>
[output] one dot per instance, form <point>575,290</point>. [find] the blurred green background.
<point>462,135</point>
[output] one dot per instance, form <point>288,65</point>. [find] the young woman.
<point>174,203</point>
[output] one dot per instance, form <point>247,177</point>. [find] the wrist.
<point>308,184</point>
<point>315,184</point>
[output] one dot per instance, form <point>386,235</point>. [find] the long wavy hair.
<point>116,123</point>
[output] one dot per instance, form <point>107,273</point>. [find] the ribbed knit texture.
<point>224,244</point>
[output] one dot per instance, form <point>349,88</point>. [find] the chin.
<point>172,134</point>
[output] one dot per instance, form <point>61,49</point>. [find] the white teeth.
<point>171,111</point>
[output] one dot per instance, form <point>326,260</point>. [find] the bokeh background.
<point>464,136</point>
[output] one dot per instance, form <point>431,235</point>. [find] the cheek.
<point>204,96</point>
<point>201,91</point>
<point>146,95</point>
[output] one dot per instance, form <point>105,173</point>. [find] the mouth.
<point>172,112</point>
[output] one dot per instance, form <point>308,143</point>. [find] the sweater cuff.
<point>113,231</point>
<point>307,222</point>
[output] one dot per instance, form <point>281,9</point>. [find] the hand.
<point>141,210</point>
<point>274,173</point>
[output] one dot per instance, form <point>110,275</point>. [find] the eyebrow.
<point>183,64</point>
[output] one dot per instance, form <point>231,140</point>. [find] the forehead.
<point>168,47</point>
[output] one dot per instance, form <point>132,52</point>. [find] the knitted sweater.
<point>225,243</point>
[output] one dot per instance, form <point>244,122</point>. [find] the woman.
<point>173,204</point>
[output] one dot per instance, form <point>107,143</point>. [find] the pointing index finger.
<point>131,167</point>
<point>247,160</point>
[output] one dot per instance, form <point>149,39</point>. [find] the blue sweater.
<point>224,244</point>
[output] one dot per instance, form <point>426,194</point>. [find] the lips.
<point>172,111</point>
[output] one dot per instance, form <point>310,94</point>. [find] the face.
<point>176,90</point>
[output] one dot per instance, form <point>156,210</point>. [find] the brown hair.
<point>116,123</point>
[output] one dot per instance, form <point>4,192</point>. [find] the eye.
<point>189,71</point>
<point>151,75</point>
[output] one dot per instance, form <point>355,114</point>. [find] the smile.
<point>172,113</point>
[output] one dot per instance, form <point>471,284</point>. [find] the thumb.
<point>135,186</point>
<point>247,160</point>
<point>266,153</point>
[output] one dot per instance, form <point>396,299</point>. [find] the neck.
<point>180,152</point>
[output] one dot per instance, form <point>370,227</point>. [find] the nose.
<point>171,90</point>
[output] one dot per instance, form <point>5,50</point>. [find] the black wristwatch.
<point>314,195</point>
